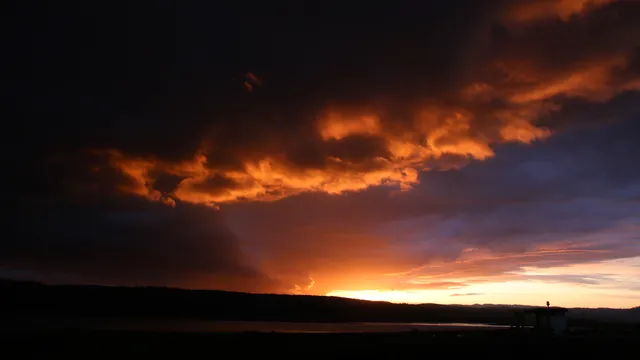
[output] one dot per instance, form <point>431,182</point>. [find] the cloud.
<point>572,279</point>
<point>463,154</point>
<point>251,80</point>
<point>467,294</point>
<point>532,69</point>
<point>353,154</point>
<point>129,242</point>
<point>297,289</point>
<point>544,61</point>
<point>567,201</point>
<point>523,11</point>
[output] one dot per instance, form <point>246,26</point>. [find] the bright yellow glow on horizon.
<point>512,292</point>
<point>620,288</point>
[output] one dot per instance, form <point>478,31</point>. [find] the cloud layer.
<point>447,148</point>
<point>546,206</point>
<point>544,56</point>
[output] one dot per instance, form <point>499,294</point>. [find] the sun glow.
<point>544,285</point>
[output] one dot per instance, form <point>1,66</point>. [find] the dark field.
<point>508,343</point>
<point>60,322</point>
<point>20,300</point>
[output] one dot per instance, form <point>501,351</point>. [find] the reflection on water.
<point>185,325</point>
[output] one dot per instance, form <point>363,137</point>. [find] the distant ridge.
<point>32,299</point>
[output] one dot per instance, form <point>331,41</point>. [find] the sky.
<point>455,152</point>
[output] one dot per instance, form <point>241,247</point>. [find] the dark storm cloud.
<point>276,144</point>
<point>583,56</point>
<point>129,242</point>
<point>78,228</point>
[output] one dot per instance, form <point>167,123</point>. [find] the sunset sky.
<point>458,151</point>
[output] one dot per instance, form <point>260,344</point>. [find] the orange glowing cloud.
<point>336,126</point>
<point>137,170</point>
<point>392,155</point>
<point>265,180</point>
<point>343,151</point>
<point>448,131</point>
<point>436,131</point>
<point>563,9</point>
<point>595,81</point>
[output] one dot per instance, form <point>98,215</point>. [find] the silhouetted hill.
<point>29,299</point>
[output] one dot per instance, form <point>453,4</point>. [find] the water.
<point>186,325</point>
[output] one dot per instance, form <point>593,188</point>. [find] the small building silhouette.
<point>550,319</point>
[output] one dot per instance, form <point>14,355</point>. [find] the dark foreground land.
<point>507,343</point>
<point>33,300</point>
<point>27,311</point>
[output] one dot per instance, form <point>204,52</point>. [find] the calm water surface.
<point>253,326</point>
